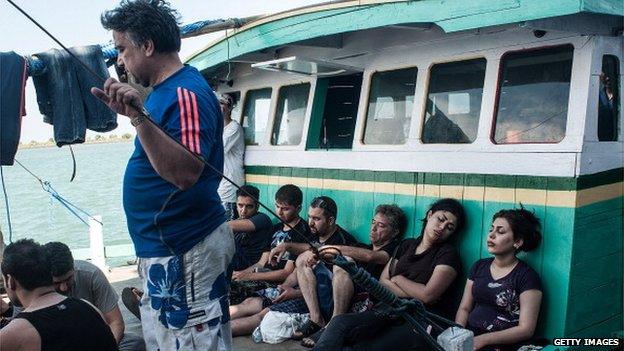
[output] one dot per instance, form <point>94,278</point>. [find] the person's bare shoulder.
<point>19,335</point>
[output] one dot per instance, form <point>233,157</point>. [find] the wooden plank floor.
<point>121,277</point>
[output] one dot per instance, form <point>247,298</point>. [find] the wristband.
<point>137,120</point>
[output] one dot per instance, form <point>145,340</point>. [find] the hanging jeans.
<point>64,94</point>
<point>13,73</point>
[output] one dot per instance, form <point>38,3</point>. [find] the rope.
<point>6,202</point>
<point>47,187</point>
<point>412,310</point>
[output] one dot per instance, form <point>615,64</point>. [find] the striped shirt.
<point>163,220</point>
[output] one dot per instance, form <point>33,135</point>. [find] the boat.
<point>496,103</point>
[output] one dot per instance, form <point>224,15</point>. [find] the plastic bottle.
<point>256,336</point>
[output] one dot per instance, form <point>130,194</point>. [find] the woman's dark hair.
<point>289,194</point>
<point>395,216</point>
<point>61,259</point>
<point>145,20</point>
<point>451,205</point>
<point>524,225</point>
<point>27,262</point>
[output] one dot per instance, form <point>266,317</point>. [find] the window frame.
<point>492,129</point>
<point>425,96</point>
<point>306,118</point>
<point>259,142</point>
<point>365,100</point>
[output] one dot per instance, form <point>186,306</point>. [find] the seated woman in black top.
<point>425,268</point>
<point>502,297</point>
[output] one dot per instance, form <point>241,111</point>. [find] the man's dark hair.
<point>395,216</point>
<point>27,262</point>
<point>247,190</point>
<point>524,225</point>
<point>289,194</point>
<point>61,259</point>
<point>451,205</point>
<point>145,20</point>
<point>327,204</point>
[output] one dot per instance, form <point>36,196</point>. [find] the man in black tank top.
<point>50,321</point>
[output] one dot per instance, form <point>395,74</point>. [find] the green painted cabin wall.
<point>561,269</point>
<point>596,277</point>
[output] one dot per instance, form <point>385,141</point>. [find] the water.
<point>96,189</point>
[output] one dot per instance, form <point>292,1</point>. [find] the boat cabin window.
<point>334,112</point>
<point>533,93</point>
<point>256,115</point>
<point>390,104</point>
<point>608,99</point>
<point>454,102</point>
<point>291,108</point>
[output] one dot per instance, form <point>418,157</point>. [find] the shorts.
<point>185,305</point>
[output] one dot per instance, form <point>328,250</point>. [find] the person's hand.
<point>119,97</point>
<point>309,258</point>
<point>287,293</point>
<point>478,342</point>
<point>396,278</point>
<point>276,254</point>
<point>241,275</point>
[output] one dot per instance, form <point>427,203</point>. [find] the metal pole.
<point>96,237</point>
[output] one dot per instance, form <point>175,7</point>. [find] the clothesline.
<point>37,67</point>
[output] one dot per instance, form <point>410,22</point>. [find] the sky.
<point>77,22</point>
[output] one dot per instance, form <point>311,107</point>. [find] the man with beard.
<point>387,228</point>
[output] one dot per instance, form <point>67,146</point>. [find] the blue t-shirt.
<point>162,219</point>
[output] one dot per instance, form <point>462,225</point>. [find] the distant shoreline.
<point>98,139</point>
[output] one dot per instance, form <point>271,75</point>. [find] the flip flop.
<point>305,330</point>
<point>311,340</point>
<point>129,299</point>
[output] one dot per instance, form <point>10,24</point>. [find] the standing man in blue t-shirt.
<point>175,217</point>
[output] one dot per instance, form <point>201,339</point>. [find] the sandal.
<point>311,340</point>
<point>307,329</point>
<point>129,299</point>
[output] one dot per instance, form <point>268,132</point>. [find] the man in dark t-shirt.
<point>387,228</point>
<point>28,277</point>
<point>252,230</point>
<point>252,286</point>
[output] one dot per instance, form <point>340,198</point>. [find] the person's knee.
<point>131,342</point>
<point>339,322</point>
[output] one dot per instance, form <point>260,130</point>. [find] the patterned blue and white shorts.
<point>185,305</point>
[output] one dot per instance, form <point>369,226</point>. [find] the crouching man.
<point>83,280</point>
<point>50,321</point>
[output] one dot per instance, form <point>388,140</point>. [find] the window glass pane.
<point>291,108</point>
<point>256,115</point>
<point>609,99</point>
<point>534,89</point>
<point>454,102</point>
<point>390,106</point>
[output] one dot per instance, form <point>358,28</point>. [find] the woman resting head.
<point>503,294</point>
<point>444,217</point>
<point>426,266</point>
<point>422,268</point>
